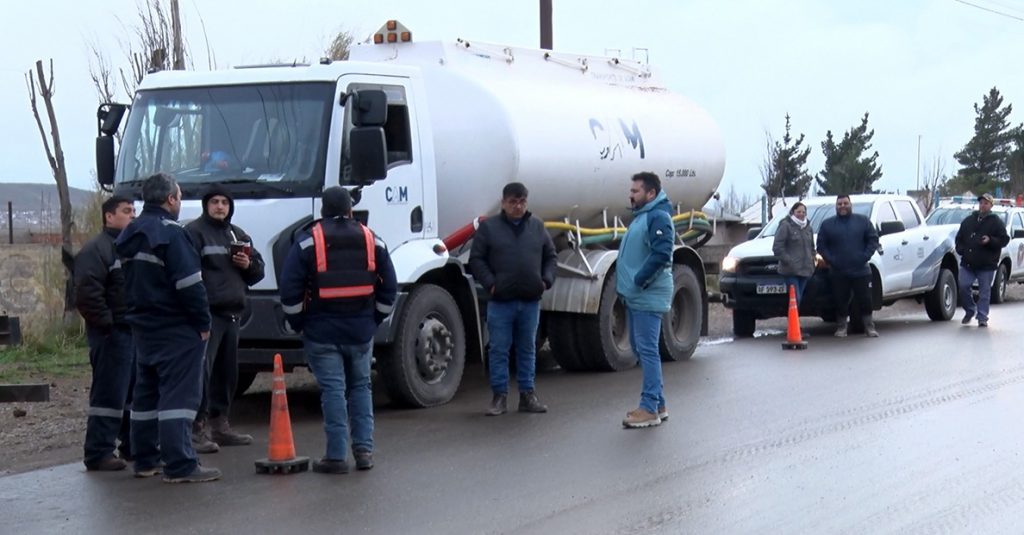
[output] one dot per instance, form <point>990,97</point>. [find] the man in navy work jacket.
<point>99,297</point>
<point>643,275</point>
<point>846,241</point>
<point>337,285</point>
<point>514,260</point>
<point>170,319</point>
<point>230,266</point>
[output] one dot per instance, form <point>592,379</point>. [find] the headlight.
<point>730,263</point>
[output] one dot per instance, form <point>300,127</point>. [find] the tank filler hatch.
<point>392,32</point>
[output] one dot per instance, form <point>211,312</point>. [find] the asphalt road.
<point>919,431</point>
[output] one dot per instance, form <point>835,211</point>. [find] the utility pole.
<point>545,25</point>
<point>919,161</point>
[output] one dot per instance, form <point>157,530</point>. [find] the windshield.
<point>272,135</point>
<point>817,214</point>
<point>954,216</point>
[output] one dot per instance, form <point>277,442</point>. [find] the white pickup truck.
<point>913,261</point>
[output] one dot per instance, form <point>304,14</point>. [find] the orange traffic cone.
<point>281,452</point>
<point>793,338</point>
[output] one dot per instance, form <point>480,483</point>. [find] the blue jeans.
<point>799,282</point>
<point>644,329</point>
<point>508,322</point>
<point>984,277</point>
<point>343,373</point>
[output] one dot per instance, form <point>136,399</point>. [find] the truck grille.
<point>761,265</point>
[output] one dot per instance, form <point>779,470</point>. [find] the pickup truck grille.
<point>761,265</point>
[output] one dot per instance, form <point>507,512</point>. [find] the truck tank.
<point>572,128</point>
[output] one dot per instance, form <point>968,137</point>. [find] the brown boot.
<point>222,433</point>
<point>201,439</point>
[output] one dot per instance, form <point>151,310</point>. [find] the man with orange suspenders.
<point>337,285</point>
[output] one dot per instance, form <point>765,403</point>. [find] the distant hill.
<point>28,197</point>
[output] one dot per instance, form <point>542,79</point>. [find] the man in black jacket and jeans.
<point>981,237</point>
<point>99,297</point>
<point>513,258</point>
<point>846,241</point>
<point>230,266</point>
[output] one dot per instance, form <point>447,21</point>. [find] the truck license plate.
<point>771,288</point>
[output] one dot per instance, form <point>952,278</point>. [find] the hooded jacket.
<point>975,254</point>
<point>99,283</point>
<point>644,268</point>
<point>794,247</point>
<point>225,282</point>
<point>163,280</point>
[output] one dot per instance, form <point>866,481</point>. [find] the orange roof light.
<point>406,37</point>
<point>392,38</point>
<point>378,38</point>
<point>392,25</point>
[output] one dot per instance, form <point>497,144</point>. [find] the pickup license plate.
<point>771,288</point>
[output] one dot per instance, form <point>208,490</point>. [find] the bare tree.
<point>340,47</point>
<point>38,81</point>
<point>158,44</point>
<point>935,179</point>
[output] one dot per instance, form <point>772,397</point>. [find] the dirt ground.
<point>51,433</point>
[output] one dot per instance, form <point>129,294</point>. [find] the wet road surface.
<point>919,431</point>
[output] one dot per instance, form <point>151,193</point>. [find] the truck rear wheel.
<point>940,302</point>
<point>604,340</point>
<point>680,327</point>
<point>743,323</point>
<point>562,338</point>
<point>423,367</point>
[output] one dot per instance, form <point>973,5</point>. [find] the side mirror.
<point>753,232</point>
<point>1019,233</point>
<point>105,160</point>
<point>368,153</point>
<point>890,227</point>
<point>369,108</point>
<point>108,117</point>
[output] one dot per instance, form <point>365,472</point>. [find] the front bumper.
<point>739,292</point>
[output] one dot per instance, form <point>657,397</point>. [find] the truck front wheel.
<point>423,367</point>
<point>940,302</point>
<point>680,327</point>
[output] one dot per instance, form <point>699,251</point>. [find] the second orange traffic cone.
<point>281,451</point>
<point>793,338</point>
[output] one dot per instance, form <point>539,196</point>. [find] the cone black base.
<point>794,345</point>
<point>291,466</point>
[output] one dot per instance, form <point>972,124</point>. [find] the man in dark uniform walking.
<point>170,319</point>
<point>99,297</point>
<point>337,285</point>
<point>230,266</point>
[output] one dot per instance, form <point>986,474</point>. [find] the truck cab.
<point>913,261</point>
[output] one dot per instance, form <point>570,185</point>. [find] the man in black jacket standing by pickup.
<point>99,297</point>
<point>846,241</point>
<point>513,258</point>
<point>981,237</point>
<point>230,266</point>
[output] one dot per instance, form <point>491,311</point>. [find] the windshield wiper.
<point>260,183</point>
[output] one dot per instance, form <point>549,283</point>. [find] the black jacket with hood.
<point>225,283</point>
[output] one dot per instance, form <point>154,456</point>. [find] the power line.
<point>990,10</point>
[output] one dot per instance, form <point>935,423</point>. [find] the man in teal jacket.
<point>644,283</point>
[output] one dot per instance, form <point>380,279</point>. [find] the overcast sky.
<point>918,66</point>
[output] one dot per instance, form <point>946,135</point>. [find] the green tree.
<point>986,158</point>
<point>848,168</point>
<point>784,170</point>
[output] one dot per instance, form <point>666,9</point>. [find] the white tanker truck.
<point>426,134</point>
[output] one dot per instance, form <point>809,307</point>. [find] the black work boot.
<point>364,459</point>
<point>499,405</point>
<point>201,441</point>
<point>869,327</point>
<point>528,402</point>
<point>223,435</point>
